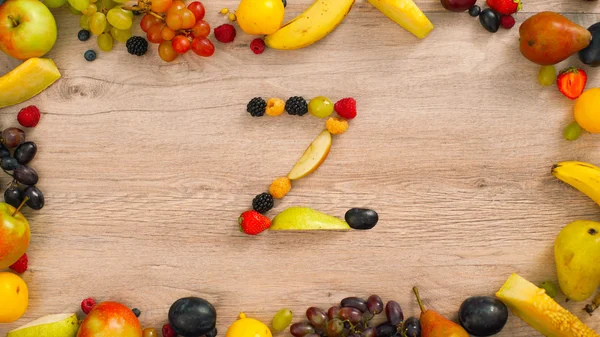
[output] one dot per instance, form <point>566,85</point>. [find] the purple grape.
<point>375,304</point>
<point>351,314</point>
<point>394,314</point>
<point>316,317</point>
<point>355,302</point>
<point>412,327</point>
<point>333,312</point>
<point>369,332</point>
<point>301,329</point>
<point>335,327</point>
<point>386,330</point>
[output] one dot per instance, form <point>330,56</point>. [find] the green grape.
<point>84,22</point>
<point>90,10</point>
<point>121,35</point>
<point>550,287</point>
<point>320,107</point>
<point>73,10</point>
<point>283,318</point>
<point>572,132</point>
<point>547,75</point>
<point>105,42</point>
<point>108,28</point>
<point>119,18</point>
<point>54,3</point>
<point>79,4</point>
<point>97,23</point>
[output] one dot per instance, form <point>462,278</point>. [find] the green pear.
<point>304,218</point>
<point>60,325</point>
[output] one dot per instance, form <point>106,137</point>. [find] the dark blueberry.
<point>9,163</point>
<point>4,152</point>
<point>136,312</point>
<point>90,55</point>
<point>474,11</point>
<point>490,20</point>
<point>83,35</point>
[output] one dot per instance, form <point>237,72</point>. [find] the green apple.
<point>27,29</point>
<point>14,235</point>
<point>60,325</point>
<point>304,218</point>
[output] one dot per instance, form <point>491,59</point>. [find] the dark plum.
<point>412,327</point>
<point>590,55</point>
<point>9,163</point>
<point>25,175</point>
<point>393,312</point>
<point>301,329</point>
<point>192,316</point>
<point>490,20</point>
<point>25,152</point>
<point>361,218</point>
<point>482,315</point>
<point>458,5</point>
<point>13,196</point>
<point>354,302</point>
<point>386,330</point>
<point>36,198</point>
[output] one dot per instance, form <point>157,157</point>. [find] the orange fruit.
<point>587,110</point>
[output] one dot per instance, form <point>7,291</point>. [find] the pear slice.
<point>313,157</point>
<point>59,325</point>
<point>304,218</point>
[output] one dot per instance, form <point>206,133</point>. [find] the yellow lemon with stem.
<point>248,327</point>
<point>14,295</point>
<point>587,110</point>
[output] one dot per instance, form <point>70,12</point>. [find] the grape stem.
<point>21,205</point>
<point>416,291</point>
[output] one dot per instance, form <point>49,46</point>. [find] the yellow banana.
<point>583,176</point>
<point>312,25</point>
<point>407,14</point>
<point>27,80</point>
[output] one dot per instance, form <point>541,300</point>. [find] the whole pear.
<point>436,325</point>
<point>577,252</point>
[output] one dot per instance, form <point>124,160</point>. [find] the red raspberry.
<point>225,33</point>
<point>507,21</point>
<point>346,108</point>
<point>87,305</point>
<point>168,331</point>
<point>20,266</point>
<point>29,116</point>
<point>257,46</point>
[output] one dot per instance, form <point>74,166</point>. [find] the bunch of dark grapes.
<point>355,317</point>
<point>22,188</point>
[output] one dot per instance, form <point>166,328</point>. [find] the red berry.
<point>225,33</point>
<point>257,46</point>
<point>87,305</point>
<point>346,108</point>
<point>20,266</point>
<point>252,223</point>
<point>29,116</point>
<point>507,21</point>
<point>168,331</point>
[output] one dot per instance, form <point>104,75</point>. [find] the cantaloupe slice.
<point>539,310</point>
<point>27,80</point>
<point>407,14</point>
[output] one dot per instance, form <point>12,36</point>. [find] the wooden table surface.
<point>146,166</point>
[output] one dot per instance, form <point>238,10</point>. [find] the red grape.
<point>198,9</point>
<point>203,47</point>
<point>202,29</point>
<point>161,6</point>
<point>181,44</point>
<point>154,34</point>
<point>148,21</point>
<point>167,33</point>
<point>188,20</point>
<point>166,52</point>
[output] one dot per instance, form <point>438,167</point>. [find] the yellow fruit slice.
<point>27,80</point>
<point>407,14</point>
<point>587,110</point>
<point>537,309</point>
<point>304,218</point>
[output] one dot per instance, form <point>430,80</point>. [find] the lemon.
<point>15,297</point>
<point>248,327</point>
<point>587,110</point>
<point>260,17</point>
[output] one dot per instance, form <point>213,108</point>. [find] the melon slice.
<point>539,310</point>
<point>27,80</point>
<point>407,14</point>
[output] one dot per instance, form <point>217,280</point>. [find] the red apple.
<point>27,29</point>
<point>14,235</point>
<point>110,319</point>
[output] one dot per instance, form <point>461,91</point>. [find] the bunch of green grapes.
<point>108,21</point>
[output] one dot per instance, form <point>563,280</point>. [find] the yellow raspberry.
<point>280,187</point>
<point>275,106</point>
<point>224,11</point>
<point>336,125</point>
<point>232,17</point>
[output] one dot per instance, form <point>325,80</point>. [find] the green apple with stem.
<point>14,234</point>
<point>27,29</point>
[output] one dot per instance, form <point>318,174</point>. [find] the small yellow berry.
<point>232,17</point>
<point>224,11</point>
<point>275,107</point>
<point>336,125</point>
<point>280,187</point>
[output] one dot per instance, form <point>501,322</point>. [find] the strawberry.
<point>252,222</point>
<point>571,82</point>
<point>20,266</point>
<point>505,7</point>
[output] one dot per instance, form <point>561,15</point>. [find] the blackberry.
<point>90,55</point>
<point>262,203</point>
<point>136,312</point>
<point>137,45</point>
<point>256,107</point>
<point>296,106</point>
<point>83,35</point>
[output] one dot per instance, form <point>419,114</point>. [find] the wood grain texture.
<point>147,165</point>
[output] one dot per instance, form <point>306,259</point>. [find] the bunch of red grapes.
<point>176,28</point>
